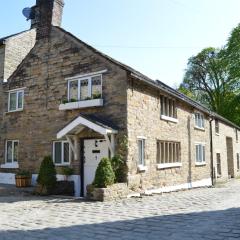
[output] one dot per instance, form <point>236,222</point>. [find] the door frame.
<point>82,164</point>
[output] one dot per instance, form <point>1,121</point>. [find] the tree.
<point>213,77</point>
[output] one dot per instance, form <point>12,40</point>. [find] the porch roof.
<point>89,121</point>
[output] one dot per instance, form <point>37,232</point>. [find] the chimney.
<point>47,13</point>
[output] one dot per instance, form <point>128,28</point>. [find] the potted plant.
<point>67,171</point>
<point>23,179</point>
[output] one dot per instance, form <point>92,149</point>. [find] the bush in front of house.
<point>104,174</point>
<point>119,168</point>
<point>47,175</point>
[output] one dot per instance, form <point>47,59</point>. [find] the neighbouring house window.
<point>236,135</point>
<point>219,168</point>
<point>168,152</point>
<point>12,151</point>
<point>85,88</point>
<point>200,154</point>
<point>141,152</point>
<point>238,162</point>
<point>168,107</point>
<point>15,100</point>
<point>217,126</point>
<point>199,120</point>
<point>61,153</point>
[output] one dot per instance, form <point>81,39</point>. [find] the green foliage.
<point>213,78</point>
<point>67,171</point>
<point>47,174</point>
<point>64,101</point>
<point>73,100</point>
<point>104,174</point>
<point>119,168</point>
<point>23,173</point>
<point>96,95</point>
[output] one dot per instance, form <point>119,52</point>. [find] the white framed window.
<point>199,120</point>
<point>85,88</point>
<point>168,154</point>
<point>141,152</point>
<point>11,152</point>
<point>168,107</point>
<point>61,153</point>
<point>15,100</point>
<point>200,154</point>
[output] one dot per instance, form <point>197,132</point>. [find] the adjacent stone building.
<point>70,101</point>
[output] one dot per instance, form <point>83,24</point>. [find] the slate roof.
<point>155,83</point>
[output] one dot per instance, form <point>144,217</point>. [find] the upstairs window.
<point>168,107</point>
<point>217,126</point>
<point>85,88</point>
<point>199,120</point>
<point>236,131</point>
<point>15,100</point>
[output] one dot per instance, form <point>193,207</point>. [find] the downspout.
<point>211,152</point>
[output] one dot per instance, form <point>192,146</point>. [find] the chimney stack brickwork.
<point>48,13</point>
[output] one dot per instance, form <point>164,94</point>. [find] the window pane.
<point>15,153</point>
<point>73,90</point>
<point>9,152</point>
<point>96,87</point>
<point>203,153</point>
<point>20,100</point>
<point>162,153</point>
<point>66,152</point>
<point>58,152</point>
<point>166,153</point>
<point>13,101</point>
<point>197,154</point>
<point>84,89</point>
<point>140,152</point>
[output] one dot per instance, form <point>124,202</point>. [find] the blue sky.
<point>154,36</point>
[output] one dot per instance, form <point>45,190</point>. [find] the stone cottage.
<point>61,97</point>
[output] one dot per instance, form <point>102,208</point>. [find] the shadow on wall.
<point>195,226</point>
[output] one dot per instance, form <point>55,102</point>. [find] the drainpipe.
<point>211,152</point>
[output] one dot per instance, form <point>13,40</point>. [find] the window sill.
<point>169,165</point>
<point>81,104</point>
<point>142,168</point>
<point>169,119</point>
<point>199,128</point>
<point>9,165</point>
<point>13,111</point>
<point>200,164</point>
<point>62,164</point>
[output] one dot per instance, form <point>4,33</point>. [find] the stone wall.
<point>111,193</point>
<point>16,49</point>
<point>43,75</point>
<point>220,146</point>
<point>144,120</point>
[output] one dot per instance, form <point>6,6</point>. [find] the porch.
<point>90,139</point>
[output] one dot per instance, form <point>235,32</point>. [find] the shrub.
<point>67,171</point>
<point>104,174</point>
<point>118,167</point>
<point>47,174</point>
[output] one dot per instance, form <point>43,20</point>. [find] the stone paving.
<point>209,213</point>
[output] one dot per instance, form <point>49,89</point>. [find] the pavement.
<point>206,213</point>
